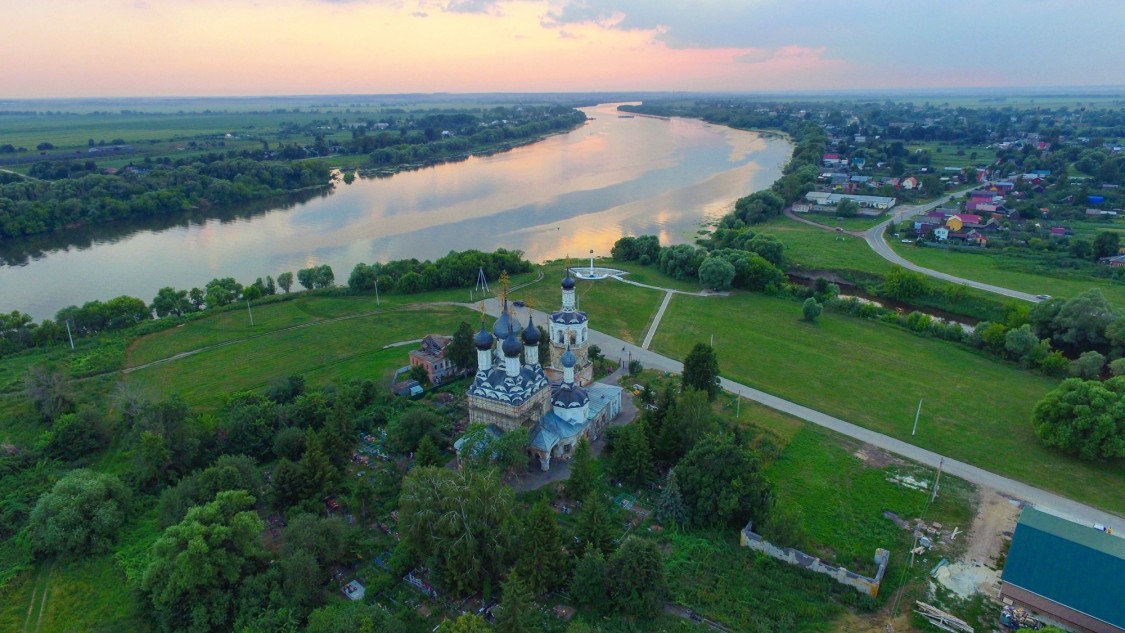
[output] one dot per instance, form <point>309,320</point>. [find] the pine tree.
<point>636,578</point>
<point>516,610</point>
<point>540,563</point>
<point>427,454</point>
<point>588,588</point>
<point>632,459</point>
<point>288,484</point>
<point>317,472</point>
<point>594,520</point>
<point>670,505</point>
<point>583,472</point>
<point>460,351</point>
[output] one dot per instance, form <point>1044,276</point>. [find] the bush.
<point>82,514</point>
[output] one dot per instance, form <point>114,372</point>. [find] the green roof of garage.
<point>1071,564</point>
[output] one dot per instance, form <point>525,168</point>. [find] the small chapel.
<point>559,403</point>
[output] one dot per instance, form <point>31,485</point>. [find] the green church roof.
<point>1071,564</point>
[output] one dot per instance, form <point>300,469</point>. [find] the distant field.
<point>948,157</point>
<point>975,409</point>
<point>1002,271</point>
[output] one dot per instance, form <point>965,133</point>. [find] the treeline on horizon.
<point>458,269</point>
<point>63,194</point>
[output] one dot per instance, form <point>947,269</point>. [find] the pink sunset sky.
<point>80,48</point>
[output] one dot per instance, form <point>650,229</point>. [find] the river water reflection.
<point>565,195</point>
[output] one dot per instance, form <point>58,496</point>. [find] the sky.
<point>120,48</point>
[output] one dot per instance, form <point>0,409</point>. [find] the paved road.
<point>875,239</point>
<point>612,346</point>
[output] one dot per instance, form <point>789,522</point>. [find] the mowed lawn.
<point>616,308</point>
<point>325,352</point>
<point>975,409</point>
<point>988,268</point>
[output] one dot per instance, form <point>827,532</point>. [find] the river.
<point>565,195</point>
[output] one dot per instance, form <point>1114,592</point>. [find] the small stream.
<point>851,290</point>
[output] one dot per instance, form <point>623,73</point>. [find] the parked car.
<point>519,303</point>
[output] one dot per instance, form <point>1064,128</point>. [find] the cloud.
<point>471,6</point>
<point>789,54</point>
<point>567,35</point>
<point>420,14</point>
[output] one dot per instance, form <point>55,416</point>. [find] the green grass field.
<point>812,248</point>
<point>872,374</point>
<point>618,309</point>
<point>64,596</point>
<point>1003,271</point>
<point>330,351</point>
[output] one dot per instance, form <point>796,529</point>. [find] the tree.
<point>1084,418</point>
<point>198,565</point>
<point>540,562</point>
<point>904,285</point>
<point>353,617</point>
<point>670,505</point>
<point>716,273</point>
<point>583,471</point>
<point>595,353</point>
<point>810,310</point>
<point>701,370</point>
<point>1117,367</point>
<point>1020,343</point>
<point>50,391</point>
<point>418,373</point>
<point>77,436</point>
<point>1088,365</point>
<point>405,431</point>
<point>588,587</point>
<point>317,473</point>
<point>169,301</point>
<point>427,453</point>
<point>593,527</point>
<point>723,483</point>
<point>285,281</point>
<point>516,613</point>
<point>636,578</point>
<point>847,208</point>
<point>688,420</point>
<point>1106,244</point>
<point>631,457</point>
<point>1081,322</point>
<point>461,521</point>
<point>461,351</point>
<point>81,514</point>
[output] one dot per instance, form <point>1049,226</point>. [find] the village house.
<point>431,355</point>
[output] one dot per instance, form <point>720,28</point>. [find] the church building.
<point>558,404</point>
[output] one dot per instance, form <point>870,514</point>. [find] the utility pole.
<point>250,312</point>
<point>69,335</point>
<point>377,291</point>
<point>916,415</point>
<point>938,480</point>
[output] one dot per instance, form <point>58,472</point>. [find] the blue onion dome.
<point>505,325</point>
<point>568,281</point>
<point>512,347</point>
<point>531,333</point>
<point>483,340</point>
<point>569,359</point>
